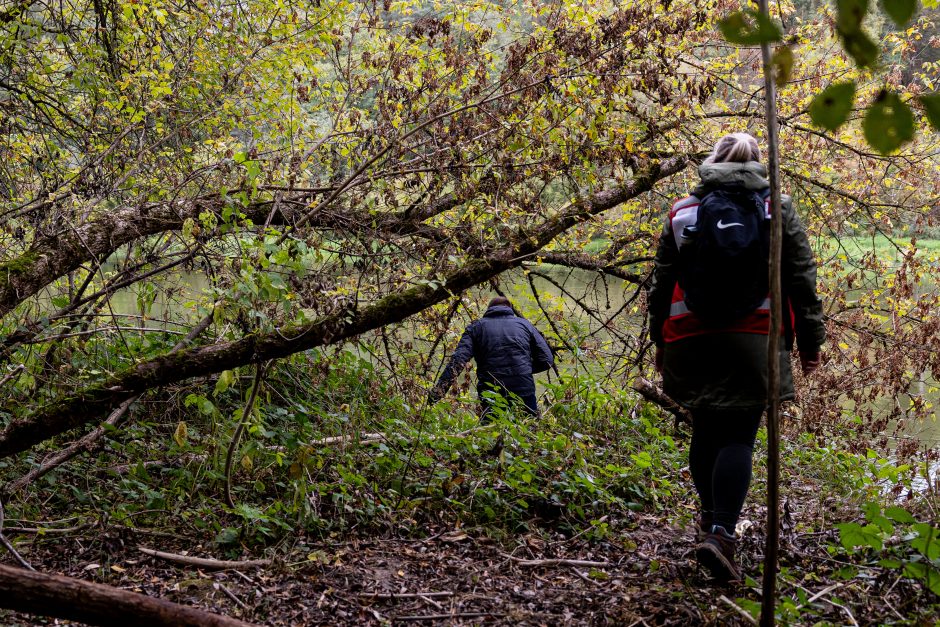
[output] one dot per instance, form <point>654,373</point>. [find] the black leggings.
<point>720,461</point>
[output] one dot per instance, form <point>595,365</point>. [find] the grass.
<point>857,246</point>
<point>853,246</point>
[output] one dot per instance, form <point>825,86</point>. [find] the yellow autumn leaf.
<point>181,433</point>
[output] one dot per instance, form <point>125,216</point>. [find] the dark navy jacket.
<point>504,346</point>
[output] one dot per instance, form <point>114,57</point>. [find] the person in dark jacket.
<point>507,349</point>
<point>719,371</point>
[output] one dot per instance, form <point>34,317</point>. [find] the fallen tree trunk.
<point>97,604</point>
<point>88,404</point>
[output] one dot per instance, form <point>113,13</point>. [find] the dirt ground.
<point>449,578</point>
<point>647,576</point>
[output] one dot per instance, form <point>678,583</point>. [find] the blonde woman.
<point>709,318</point>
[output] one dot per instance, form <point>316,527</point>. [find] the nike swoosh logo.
<point>722,226</point>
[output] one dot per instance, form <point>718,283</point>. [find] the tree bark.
<point>769,584</point>
<point>88,404</point>
<point>97,604</point>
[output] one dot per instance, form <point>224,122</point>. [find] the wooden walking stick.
<point>768,603</point>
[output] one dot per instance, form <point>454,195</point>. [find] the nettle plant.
<point>894,539</point>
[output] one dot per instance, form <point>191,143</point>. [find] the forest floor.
<point>581,517</point>
<point>644,576</point>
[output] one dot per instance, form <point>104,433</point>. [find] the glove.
<point>809,361</point>
<point>435,395</point>
<point>658,360</point>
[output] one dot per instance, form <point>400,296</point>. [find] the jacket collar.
<point>750,175</point>
<point>498,310</point>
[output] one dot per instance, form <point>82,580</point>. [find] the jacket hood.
<point>750,174</point>
<point>498,310</point>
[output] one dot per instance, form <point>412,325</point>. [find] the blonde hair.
<point>739,147</point>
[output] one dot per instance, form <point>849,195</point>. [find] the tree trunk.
<point>768,602</point>
<point>97,604</point>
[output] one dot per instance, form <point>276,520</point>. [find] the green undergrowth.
<point>334,448</point>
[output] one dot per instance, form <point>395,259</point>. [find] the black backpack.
<point>724,257</point>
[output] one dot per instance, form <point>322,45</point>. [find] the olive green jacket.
<point>729,369</point>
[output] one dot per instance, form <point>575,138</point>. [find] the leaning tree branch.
<point>86,442</point>
<point>87,404</point>
<point>56,255</point>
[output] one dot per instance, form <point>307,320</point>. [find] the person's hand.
<point>658,360</point>
<point>435,395</point>
<point>809,361</point>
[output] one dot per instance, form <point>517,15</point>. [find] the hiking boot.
<point>702,526</point>
<point>716,554</point>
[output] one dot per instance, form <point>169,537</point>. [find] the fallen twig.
<point>740,610</point>
<point>204,562</point>
<point>823,593</point>
<point>232,596</point>
<point>365,438</point>
<point>49,530</point>
<point>819,595</point>
<point>12,374</point>
<point>585,577</point>
<point>556,562</point>
<point>442,616</point>
<point>652,393</point>
<point>403,595</point>
<point>431,601</point>
<point>9,545</point>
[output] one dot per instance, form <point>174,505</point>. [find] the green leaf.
<point>888,123</point>
<point>228,535</point>
<point>931,105</point>
<point>853,534</point>
<point>861,48</point>
<point>254,169</point>
<point>899,514</point>
<point>849,15</point>
<point>782,62</point>
<point>933,581</point>
<point>915,570</point>
<point>642,459</point>
<point>225,380</point>
<point>749,28</point>
<point>900,11</point>
<point>927,540</point>
<point>830,109</point>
